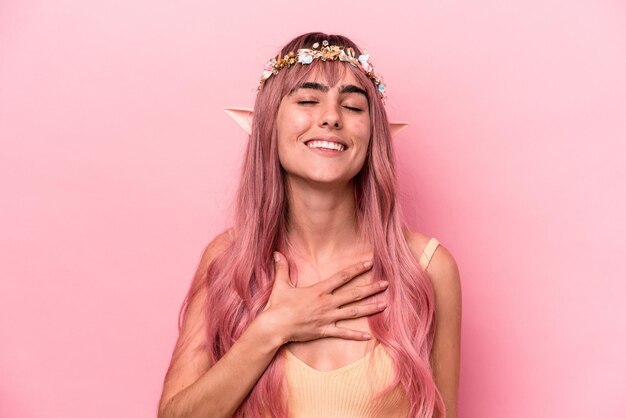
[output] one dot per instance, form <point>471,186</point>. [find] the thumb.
<point>281,268</point>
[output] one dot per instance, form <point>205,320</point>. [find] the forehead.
<point>333,74</point>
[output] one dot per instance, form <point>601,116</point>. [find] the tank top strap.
<point>428,253</point>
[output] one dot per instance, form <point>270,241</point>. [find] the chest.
<point>328,354</point>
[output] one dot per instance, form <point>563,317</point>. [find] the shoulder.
<point>215,247</point>
<point>442,270</point>
<point>219,243</point>
<point>416,241</point>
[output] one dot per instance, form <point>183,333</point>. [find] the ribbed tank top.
<point>349,391</point>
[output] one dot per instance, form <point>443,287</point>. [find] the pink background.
<point>117,166</point>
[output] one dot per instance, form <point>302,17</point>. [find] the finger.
<point>340,298</point>
<point>281,270</point>
<point>344,276</point>
<point>347,334</point>
<point>358,311</point>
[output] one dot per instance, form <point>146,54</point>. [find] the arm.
<point>193,387</point>
<point>445,354</point>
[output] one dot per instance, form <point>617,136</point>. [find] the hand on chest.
<point>332,353</point>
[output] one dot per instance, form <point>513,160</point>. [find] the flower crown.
<point>325,53</point>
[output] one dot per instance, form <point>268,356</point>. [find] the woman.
<point>314,303</point>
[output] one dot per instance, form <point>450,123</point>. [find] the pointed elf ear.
<point>243,117</point>
<point>397,127</point>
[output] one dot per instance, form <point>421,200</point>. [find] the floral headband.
<point>325,53</point>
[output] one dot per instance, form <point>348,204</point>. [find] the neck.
<point>322,223</point>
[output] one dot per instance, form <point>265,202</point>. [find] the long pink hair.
<point>239,280</point>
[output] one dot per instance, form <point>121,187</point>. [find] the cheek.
<point>365,131</point>
<point>291,126</point>
<point>298,122</point>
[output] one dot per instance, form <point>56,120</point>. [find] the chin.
<point>330,181</point>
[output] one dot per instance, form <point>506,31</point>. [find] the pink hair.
<point>239,280</point>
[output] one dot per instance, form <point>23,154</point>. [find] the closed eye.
<point>307,102</point>
<point>354,109</point>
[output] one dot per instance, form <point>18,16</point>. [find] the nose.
<point>331,117</point>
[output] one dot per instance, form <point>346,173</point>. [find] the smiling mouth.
<point>327,145</point>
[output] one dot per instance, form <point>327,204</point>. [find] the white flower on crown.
<point>305,57</point>
<point>363,59</point>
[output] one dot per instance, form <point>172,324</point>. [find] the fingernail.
<point>383,284</point>
<point>367,264</point>
<point>366,335</point>
<point>382,305</point>
<point>276,256</point>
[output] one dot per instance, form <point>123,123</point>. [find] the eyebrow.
<point>348,88</point>
<point>311,85</point>
<point>351,88</point>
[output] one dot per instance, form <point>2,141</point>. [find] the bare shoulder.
<point>417,242</point>
<point>442,270</point>
<point>217,245</point>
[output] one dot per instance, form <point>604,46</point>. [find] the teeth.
<point>326,145</point>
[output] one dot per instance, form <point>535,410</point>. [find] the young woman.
<point>318,302</point>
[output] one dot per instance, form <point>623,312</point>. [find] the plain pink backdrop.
<point>117,166</point>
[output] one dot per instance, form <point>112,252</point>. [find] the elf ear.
<point>397,127</point>
<point>243,117</point>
